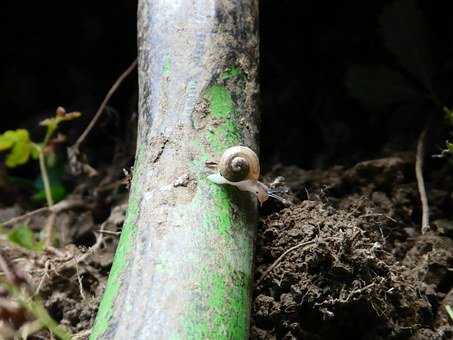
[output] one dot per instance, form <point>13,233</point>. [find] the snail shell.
<point>239,163</point>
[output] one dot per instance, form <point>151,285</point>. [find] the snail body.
<point>239,166</point>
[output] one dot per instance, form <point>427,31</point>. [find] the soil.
<point>355,265</point>
<point>69,278</point>
<point>341,258</point>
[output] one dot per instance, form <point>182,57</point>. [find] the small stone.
<point>182,181</point>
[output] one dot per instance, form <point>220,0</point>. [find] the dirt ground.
<point>342,258</point>
<point>347,259</point>
<point>70,278</point>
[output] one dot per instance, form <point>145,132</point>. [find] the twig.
<point>449,311</point>
<point>82,335</point>
<point>10,277</point>
<point>305,244</point>
<point>56,208</point>
<point>45,179</point>
<point>76,260</point>
<point>79,279</point>
<point>87,254</point>
<point>46,274</point>
<point>104,103</point>
<point>347,299</point>
<point>383,215</point>
<point>358,291</point>
<point>16,219</point>
<point>49,229</point>
<point>109,232</point>
<point>421,182</point>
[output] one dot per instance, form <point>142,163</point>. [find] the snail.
<point>239,166</point>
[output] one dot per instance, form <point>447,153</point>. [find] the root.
<point>56,208</point>
<point>49,229</point>
<point>104,104</point>
<point>305,245</point>
<point>382,215</point>
<point>421,181</point>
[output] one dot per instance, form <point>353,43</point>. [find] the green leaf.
<point>20,144</point>
<point>405,33</point>
<point>24,237</point>
<point>6,140</point>
<point>450,147</point>
<point>20,153</point>
<point>379,87</point>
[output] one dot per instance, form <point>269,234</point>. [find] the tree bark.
<point>183,267</point>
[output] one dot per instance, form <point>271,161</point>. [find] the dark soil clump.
<point>354,265</point>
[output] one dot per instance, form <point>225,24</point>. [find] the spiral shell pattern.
<point>239,163</point>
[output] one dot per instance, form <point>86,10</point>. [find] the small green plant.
<point>21,149</point>
<point>20,291</point>
<point>24,237</point>
<point>20,146</point>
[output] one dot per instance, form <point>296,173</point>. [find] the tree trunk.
<point>183,267</point>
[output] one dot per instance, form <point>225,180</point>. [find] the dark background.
<point>64,53</point>
<point>309,118</point>
<point>69,54</point>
